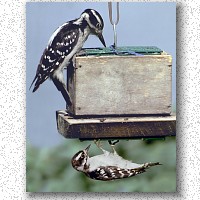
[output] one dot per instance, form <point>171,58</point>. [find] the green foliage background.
<point>50,170</point>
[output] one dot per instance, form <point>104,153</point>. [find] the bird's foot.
<point>99,145</point>
<point>82,52</point>
<point>112,144</point>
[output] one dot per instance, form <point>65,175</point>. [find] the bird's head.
<point>95,22</point>
<point>79,160</point>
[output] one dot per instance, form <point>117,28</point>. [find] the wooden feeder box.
<point>119,95</point>
<point>107,84</point>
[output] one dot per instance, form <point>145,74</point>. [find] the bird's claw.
<point>98,143</point>
<point>112,144</point>
<point>82,52</point>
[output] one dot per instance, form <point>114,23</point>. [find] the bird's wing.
<point>61,44</point>
<point>112,172</point>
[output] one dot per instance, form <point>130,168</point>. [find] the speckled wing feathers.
<point>111,173</point>
<point>58,48</point>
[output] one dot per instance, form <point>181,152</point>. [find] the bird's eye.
<point>82,156</point>
<point>98,26</point>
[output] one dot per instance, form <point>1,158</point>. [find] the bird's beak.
<point>100,36</point>
<point>87,149</point>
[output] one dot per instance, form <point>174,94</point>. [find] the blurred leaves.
<point>50,170</point>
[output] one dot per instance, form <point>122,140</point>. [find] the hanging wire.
<point>114,23</point>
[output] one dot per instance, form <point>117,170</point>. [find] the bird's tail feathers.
<point>147,165</point>
<point>35,88</point>
<point>63,91</point>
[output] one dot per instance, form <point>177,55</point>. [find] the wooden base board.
<point>115,127</point>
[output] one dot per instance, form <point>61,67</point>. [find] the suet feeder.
<point>119,93</point>
<point>125,93</point>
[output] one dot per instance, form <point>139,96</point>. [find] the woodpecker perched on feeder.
<point>107,166</point>
<point>62,47</point>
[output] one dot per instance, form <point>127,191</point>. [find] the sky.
<point>140,24</point>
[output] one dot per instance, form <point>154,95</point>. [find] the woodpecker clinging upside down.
<point>63,45</point>
<point>107,166</point>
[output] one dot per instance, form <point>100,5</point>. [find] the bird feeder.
<point>107,84</point>
<point>124,93</point>
<point>119,93</point>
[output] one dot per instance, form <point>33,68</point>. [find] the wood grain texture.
<point>116,127</point>
<point>118,85</point>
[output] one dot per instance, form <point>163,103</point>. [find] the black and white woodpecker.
<point>63,45</point>
<point>108,166</point>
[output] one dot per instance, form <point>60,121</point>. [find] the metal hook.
<point>114,23</point>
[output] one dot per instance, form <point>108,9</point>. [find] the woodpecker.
<point>107,166</point>
<point>63,45</point>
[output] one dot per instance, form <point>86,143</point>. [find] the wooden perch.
<point>115,127</point>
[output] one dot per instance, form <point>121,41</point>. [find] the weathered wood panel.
<point>109,85</point>
<point>116,127</point>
